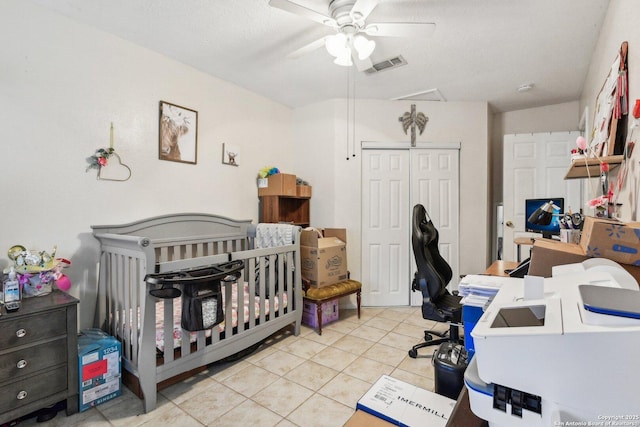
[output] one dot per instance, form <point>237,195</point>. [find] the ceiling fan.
<point>348,18</point>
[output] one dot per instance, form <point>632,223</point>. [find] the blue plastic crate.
<point>470,316</point>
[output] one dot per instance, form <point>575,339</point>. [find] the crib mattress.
<point>177,310</point>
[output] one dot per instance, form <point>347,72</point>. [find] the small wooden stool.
<point>319,296</point>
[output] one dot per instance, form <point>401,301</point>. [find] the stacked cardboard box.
<point>99,367</point>
<point>303,190</point>
<point>596,242</point>
<point>611,239</point>
<point>324,256</point>
<point>280,184</point>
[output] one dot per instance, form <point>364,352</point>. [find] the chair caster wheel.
<point>413,353</point>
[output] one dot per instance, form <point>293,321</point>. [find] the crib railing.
<point>127,311</point>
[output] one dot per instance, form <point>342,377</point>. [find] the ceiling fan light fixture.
<point>363,46</point>
<point>344,59</point>
<point>336,44</point>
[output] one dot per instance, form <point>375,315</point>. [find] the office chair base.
<point>428,335</point>
<point>452,335</point>
<point>413,353</point>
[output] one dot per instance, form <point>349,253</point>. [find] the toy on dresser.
<point>35,273</point>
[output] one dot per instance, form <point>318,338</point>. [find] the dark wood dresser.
<point>39,356</point>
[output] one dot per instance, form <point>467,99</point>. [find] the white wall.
<point>313,136</point>
<point>321,143</point>
<point>62,84</point>
<point>620,24</point>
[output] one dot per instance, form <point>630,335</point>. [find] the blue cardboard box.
<point>99,368</point>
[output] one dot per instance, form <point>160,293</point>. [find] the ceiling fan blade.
<point>297,9</point>
<point>362,8</point>
<point>307,48</point>
<point>400,29</point>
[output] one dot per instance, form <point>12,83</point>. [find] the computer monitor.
<point>531,205</point>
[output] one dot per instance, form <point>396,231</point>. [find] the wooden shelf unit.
<point>291,209</point>
<point>580,167</point>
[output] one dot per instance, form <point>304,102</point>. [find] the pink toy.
<point>63,283</point>
<point>581,142</point>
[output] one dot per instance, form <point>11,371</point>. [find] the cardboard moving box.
<point>404,404</point>
<point>364,419</point>
<point>547,253</point>
<point>303,190</point>
<point>617,241</point>
<point>280,184</point>
<point>99,368</point>
<point>324,256</point>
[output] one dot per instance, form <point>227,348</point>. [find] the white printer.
<point>567,354</point>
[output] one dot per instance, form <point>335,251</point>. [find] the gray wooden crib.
<point>173,242</point>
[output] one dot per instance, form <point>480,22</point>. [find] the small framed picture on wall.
<point>178,133</point>
<point>230,154</point>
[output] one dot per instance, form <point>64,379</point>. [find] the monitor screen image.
<point>531,205</point>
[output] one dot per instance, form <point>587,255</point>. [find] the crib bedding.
<point>177,310</point>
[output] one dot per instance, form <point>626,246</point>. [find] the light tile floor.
<point>308,380</point>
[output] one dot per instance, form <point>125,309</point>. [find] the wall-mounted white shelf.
<point>579,167</point>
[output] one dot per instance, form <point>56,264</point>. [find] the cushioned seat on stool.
<point>318,296</point>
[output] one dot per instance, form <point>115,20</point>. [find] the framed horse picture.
<point>178,133</point>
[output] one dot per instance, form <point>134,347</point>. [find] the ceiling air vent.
<point>424,95</point>
<point>387,64</point>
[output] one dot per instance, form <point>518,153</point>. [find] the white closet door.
<point>393,181</point>
<point>385,227</point>
<point>435,184</point>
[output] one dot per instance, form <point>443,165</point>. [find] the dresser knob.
<point>21,364</point>
<point>22,395</point>
<point>21,332</point>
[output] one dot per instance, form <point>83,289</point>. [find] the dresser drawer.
<point>25,361</point>
<point>28,329</point>
<point>31,389</point>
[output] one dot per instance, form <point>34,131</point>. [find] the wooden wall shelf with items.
<point>291,209</point>
<point>581,168</point>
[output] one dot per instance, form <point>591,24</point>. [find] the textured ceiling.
<point>481,50</point>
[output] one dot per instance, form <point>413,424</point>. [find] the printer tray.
<point>611,301</point>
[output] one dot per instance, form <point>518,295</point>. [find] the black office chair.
<point>431,278</point>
